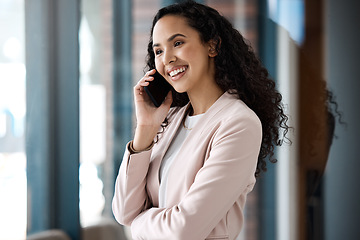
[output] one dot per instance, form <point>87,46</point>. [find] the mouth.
<point>177,71</point>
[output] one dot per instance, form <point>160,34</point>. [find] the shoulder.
<point>234,111</point>
<point>231,120</point>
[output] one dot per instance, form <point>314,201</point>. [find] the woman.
<point>194,159</point>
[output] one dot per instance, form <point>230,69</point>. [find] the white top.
<point>172,151</point>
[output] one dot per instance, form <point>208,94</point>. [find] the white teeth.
<point>173,73</point>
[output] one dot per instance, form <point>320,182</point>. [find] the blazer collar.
<point>176,120</point>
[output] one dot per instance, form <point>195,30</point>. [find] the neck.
<point>205,94</point>
<point>204,99</point>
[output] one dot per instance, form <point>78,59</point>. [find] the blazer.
<point>208,180</point>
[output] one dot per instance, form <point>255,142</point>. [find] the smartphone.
<point>158,89</point>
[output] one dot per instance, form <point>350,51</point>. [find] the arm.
<point>226,175</point>
<point>130,197</point>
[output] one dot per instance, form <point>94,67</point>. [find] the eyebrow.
<point>170,38</point>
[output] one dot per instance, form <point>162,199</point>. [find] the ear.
<point>213,45</point>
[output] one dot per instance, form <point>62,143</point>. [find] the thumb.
<point>168,99</point>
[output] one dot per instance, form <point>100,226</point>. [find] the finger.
<point>151,72</point>
<point>145,79</point>
<point>143,84</point>
<point>137,90</point>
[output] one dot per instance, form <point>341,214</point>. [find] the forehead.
<point>169,25</point>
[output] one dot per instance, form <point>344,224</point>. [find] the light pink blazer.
<point>208,181</point>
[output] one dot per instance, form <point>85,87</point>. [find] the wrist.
<point>144,137</point>
<point>133,150</point>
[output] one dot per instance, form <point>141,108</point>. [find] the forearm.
<point>130,197</point>
<point>144,136</point>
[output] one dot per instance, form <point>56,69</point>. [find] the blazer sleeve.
<point>130,196</point>
<point>226,176</point>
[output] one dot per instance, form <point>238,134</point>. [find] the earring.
<point>212,52</point>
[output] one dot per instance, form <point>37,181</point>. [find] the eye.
<point>157,51</point>
<point>178,43</point>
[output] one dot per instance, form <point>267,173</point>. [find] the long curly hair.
<point>237,70</point>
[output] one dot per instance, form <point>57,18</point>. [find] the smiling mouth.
<point>177,71</point>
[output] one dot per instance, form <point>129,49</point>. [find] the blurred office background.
<point>66,74</point>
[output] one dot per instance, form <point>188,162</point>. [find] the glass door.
<point>12,121</point>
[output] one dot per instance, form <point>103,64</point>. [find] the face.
<point>180,56</point>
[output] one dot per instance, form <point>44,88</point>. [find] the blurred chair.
<point>49,235</point>
<point>104,230</point>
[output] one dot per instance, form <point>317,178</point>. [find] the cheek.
<point>197,54</point>
<point>189,53</point>
<point>158,65</point>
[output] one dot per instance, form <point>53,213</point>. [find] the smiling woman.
<point>217,126</point>
<point>178,48</point>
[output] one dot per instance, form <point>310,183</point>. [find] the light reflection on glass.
<point>290,15</point>
<point>12,122</point>
<point>92,132</point>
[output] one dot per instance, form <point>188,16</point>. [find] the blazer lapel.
<point>221,103</point>
<point>166,138</point>
<point>159,151</point>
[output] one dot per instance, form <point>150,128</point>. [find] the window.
<point>12,121</point>
<point>96,111</point>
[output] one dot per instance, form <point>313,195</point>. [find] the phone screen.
<point>158,89</point>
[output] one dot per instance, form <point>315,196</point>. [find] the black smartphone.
<point>158,89</point>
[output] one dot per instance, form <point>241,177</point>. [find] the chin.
<point>179,89</point>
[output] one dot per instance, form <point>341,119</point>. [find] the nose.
<point>169,57</point>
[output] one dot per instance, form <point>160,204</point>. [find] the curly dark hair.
<point>237,70</point>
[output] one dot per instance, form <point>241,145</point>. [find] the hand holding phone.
<point>158,89</point>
